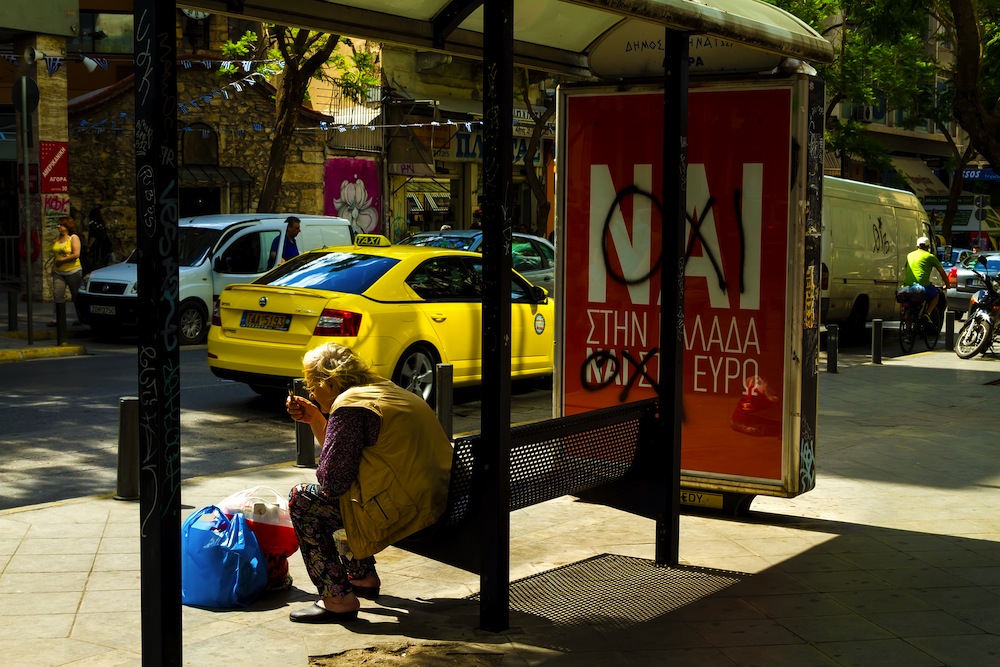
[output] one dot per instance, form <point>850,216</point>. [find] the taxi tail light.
<point>337,323</point>
<point>953,277</point>
<point>216,317</point>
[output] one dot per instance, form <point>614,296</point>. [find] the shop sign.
<point>468,147</point>
<point>54,158</point>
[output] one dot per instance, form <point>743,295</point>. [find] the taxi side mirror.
<point>538,294</point>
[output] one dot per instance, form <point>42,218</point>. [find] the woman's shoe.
<point>317,614</point>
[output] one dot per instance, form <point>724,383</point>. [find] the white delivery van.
<point>214,251</point>
<point>867,232</point>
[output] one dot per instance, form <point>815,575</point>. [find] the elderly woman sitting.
<point>382,475</point>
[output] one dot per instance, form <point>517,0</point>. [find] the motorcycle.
<point>980,329</point>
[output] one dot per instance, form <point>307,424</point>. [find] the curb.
<point>48,352</point>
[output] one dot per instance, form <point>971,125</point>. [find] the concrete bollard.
<point>11,310</point>
<point>305,443</point>
<point>877,342</point>
<point>444,398</point>
<point>128,448</point>
<point>832,345</point>
<point>949,329</point>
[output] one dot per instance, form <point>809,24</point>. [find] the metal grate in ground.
<point>615,591</point>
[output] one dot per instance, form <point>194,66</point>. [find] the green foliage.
<point>292,48</point>
<point>884,58</point>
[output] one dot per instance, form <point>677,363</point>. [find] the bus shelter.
<point>598,39</point>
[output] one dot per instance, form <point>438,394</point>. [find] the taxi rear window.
<point>334,271</point>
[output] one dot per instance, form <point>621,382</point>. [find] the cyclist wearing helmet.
<point>919,266</point>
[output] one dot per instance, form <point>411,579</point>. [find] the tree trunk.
<point>970,109</point>
<point>535,183</point>
<point>286,116</point>
<point>291,90</point>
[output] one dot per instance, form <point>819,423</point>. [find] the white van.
<point>214,251</point>
<point>867,232</point>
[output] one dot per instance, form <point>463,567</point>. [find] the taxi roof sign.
<point>376,240</point>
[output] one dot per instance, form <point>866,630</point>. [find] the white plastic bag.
<point>266,512</point>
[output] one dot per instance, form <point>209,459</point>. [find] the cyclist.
<point>919,265</point>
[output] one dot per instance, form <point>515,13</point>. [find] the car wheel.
<point>193,324</point>
<point>415,372</point>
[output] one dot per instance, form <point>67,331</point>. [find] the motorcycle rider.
<point>919,265</point>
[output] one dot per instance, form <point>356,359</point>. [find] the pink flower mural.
<point>352,192</point>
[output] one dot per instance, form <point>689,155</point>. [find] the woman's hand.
<point>305,411</point>
<point>302,409</point>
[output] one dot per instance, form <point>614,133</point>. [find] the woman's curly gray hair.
<point>337,366</point>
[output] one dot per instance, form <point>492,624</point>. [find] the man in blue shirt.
<point>288,249</point>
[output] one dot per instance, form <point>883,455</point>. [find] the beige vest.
<point>402,483</point>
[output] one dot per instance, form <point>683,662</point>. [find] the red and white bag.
<point>266,512</point>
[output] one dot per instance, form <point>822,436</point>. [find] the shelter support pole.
<point>670,387</point>
<point>158,346</point>
<point>498,113</point>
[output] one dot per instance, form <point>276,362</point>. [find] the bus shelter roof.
<point>553,35</point>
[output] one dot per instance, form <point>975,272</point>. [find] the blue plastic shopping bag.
<point>222,566</point>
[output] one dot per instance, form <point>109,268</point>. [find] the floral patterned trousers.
<point>316,517</point>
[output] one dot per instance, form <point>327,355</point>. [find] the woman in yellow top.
<point>67,271</point>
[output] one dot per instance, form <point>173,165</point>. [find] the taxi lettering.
<point>371,240</point>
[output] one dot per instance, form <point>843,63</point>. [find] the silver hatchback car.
<point>963,283</point>
<point>532,256</point>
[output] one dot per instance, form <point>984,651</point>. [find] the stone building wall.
<point>102,153</point>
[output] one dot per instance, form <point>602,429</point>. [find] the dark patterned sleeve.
<point>348,431</point>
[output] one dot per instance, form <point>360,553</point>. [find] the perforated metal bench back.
<point>554,458</point>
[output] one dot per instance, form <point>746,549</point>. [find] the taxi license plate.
<point>102,310</point>
<point>273,321</point>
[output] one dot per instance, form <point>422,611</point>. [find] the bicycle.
<point>915,320</point>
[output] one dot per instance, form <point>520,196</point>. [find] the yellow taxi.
<point>405,308</point>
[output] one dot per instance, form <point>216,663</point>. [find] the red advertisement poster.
<point>739,158</point>
<point>54,158</point>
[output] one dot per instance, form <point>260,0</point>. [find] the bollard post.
<point>949,329</point>
<point>305,444</point>
<point>128,448</point>
<point>11,310</point>
<point>832,346</point>
<point>444,397</point>
<point>877,342</point>
<point>61,323</point>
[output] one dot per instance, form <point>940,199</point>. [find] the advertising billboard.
<point>751,255</point>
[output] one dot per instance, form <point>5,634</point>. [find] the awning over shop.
<point>555,35</point>
<point>919,176</point>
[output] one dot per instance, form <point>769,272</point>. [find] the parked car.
<point>957,256</point>
<point>963,283</point>
<point>214,251</point>
<point>531,256</point>
<point>405,308</point>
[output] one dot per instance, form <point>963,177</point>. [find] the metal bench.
<point>548,459</point>
<point>553,458</point>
